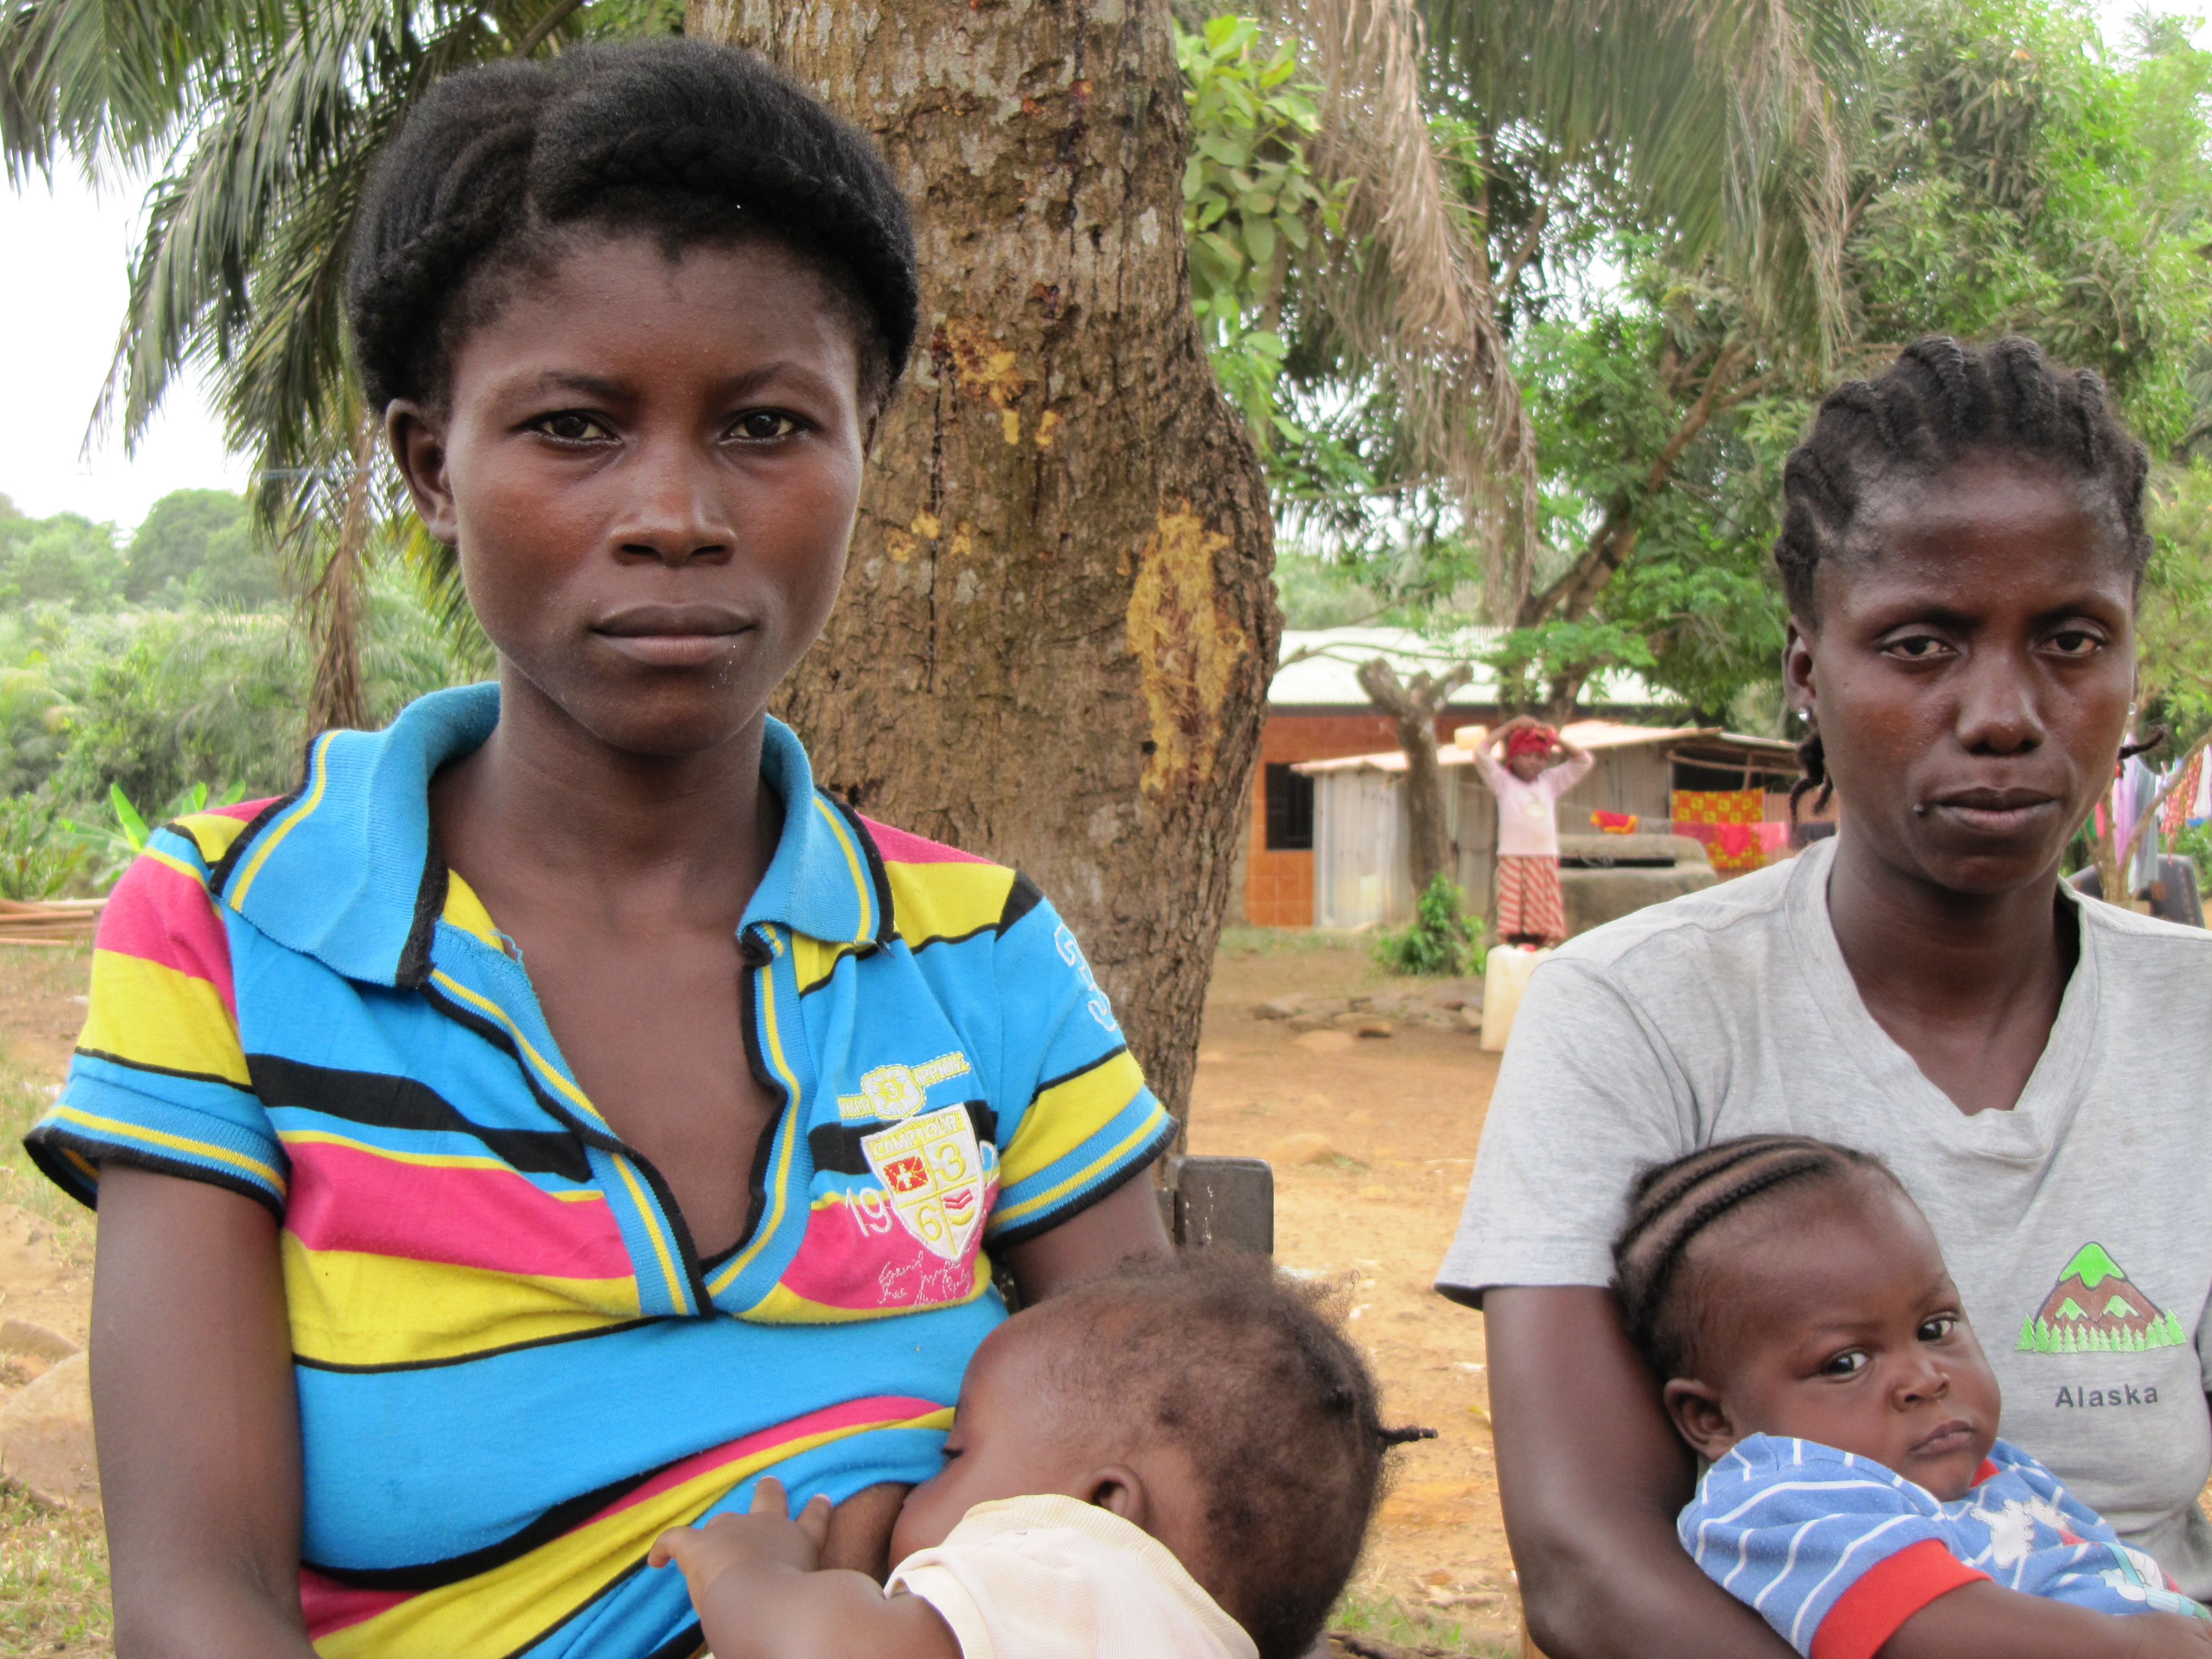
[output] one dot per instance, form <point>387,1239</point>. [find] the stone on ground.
<point>46,1436</point>
<point>1324,1041</point>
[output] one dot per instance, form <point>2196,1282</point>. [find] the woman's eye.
<point>1849,1363</point>
<point>1935,1329</point>
<point>570,427</point>
<point>1916,648</point>
<point>764,425</point>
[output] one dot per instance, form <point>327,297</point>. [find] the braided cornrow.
<point>1938,403</point>
<point>683,140</point>
<point>1669,1205</point>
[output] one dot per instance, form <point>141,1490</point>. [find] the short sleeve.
<point>1088,1123</point>
<point>1835,1552</point>
<point>1588,1095</point>
<point>159,1080</point>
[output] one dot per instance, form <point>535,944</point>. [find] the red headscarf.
<point>1530,740</point>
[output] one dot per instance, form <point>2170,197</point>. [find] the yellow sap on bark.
<point>1504,978</point>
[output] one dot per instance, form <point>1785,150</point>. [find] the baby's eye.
<point>1849,1363</point>
<point>765,425</point>
<point>570,427</point>
<point>1935,1329</point>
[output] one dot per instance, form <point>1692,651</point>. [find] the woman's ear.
<point>1797,666</point>
<point>418,447</point>
<point>1118,1490</point>
<point>1701,1416</point>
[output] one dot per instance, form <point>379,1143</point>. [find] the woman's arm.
<point>196,1421</point>
<point>1125,1223</point>
<point>1591,1476</point>
<point>1985,1620</point>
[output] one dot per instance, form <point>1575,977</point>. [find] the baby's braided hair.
<point>1938,404</point>
<point>1669,1205</point>
<point>686,142</point>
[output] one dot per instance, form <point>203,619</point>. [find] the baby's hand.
<point>767,1533</point>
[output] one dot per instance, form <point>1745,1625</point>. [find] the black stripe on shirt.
<point>381,1101</point>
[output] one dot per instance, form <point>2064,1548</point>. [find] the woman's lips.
<point>1996,811</point>
<point>672,636</point>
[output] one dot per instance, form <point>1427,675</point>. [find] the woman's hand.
<point>196,1421</point>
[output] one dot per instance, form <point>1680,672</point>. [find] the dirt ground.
<point>1373,1138</point>
<point>1375,1210</point>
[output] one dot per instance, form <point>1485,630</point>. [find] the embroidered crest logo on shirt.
<point>893,1092</point>
<point>933,1172</point>
<point>2094,1308</point>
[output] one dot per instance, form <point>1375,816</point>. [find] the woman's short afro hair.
<point>677,139</point>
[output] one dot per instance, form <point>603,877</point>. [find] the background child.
<point>1172,1461</point>
<point>1538,767</point>
<point>1795,1300</point>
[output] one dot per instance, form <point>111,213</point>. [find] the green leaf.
<point>134,827</point>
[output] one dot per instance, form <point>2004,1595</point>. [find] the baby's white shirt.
<point>1053,1578</point>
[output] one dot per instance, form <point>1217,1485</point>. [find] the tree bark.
<point>1057,628</point>
<point>337,694</point>
<point>1412,707</point>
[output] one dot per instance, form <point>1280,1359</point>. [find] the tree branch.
<point>555,14</point>
<point>1526,252</point>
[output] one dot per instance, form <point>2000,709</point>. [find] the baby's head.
<point>1209,1401</point>
<point>1778,1285</point>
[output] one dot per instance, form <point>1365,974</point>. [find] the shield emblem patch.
<point>933,1172</point>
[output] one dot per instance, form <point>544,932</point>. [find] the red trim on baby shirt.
<point>1886,1594</point>
<point>1989,1471</point>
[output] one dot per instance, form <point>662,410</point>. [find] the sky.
<point>63,264</point>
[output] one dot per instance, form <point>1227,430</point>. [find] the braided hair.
<point>1938,404</point>
<point>497,167</point>
<point>1243,1369</point>
<point>1670,1205</point>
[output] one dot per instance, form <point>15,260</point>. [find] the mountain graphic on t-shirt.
<point>2095,1309</point>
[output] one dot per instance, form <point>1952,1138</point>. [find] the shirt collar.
<point>345,870</point>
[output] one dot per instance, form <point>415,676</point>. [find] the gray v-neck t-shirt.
<point>2078,1224</point>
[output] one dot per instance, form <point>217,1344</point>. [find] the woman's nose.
<point>675,512</point>
<point>1997,712</point>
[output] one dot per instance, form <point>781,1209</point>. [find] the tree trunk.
<point>337,694</point>
<point>1057,628</point>
<point>1412,709</point>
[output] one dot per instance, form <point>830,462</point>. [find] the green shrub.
<point>37,858</point>
<point>1439,941</point>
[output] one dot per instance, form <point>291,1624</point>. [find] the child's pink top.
<point>1528,823</point>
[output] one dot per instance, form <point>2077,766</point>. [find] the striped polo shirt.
<point>514,1369</point>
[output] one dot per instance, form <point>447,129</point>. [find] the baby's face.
<point>1009,1438</point>
<point>1840,1325</point>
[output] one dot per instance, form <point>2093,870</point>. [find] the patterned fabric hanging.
<point>2183,797</point>
<point>1727,821</point>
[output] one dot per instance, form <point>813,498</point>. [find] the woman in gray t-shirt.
<point>1963,543</point>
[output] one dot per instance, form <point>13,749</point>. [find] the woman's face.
<point>1970,679</point>
<point>650,465</point>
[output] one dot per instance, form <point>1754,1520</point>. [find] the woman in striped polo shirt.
<point>558,1112</point>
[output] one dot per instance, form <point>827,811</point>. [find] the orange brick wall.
<point>1278,886</point>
